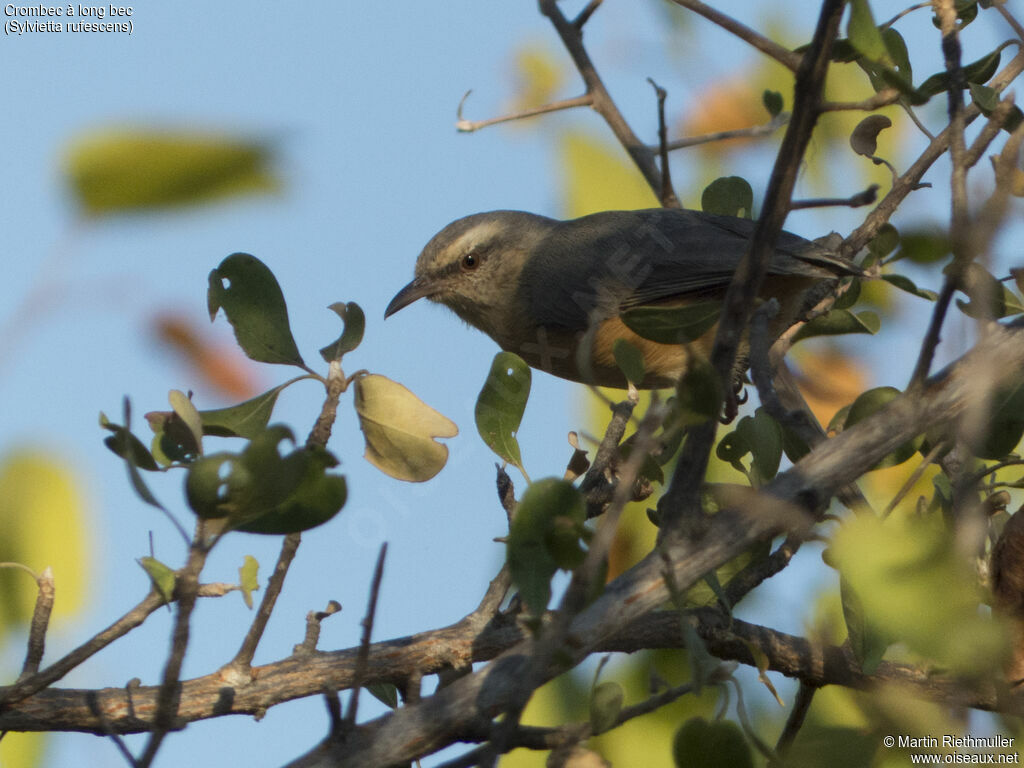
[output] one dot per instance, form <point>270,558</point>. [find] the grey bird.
<point>554,291</point>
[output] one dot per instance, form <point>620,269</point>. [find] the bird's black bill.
<point>417,289</point>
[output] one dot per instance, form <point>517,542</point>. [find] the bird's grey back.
<point>626,258</point>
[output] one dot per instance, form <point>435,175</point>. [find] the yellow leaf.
<point>22,750</point>
<point>600,178</point>
<point>914,588</point>
<point>538,77</point>
<point>42,519</point>
<point>400,429</point>
<point>120,170</point>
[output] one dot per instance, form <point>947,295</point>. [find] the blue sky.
<point>361,101</point>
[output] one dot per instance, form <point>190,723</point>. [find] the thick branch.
<point>444,718</point>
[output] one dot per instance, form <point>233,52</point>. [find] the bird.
<point>555,292</point>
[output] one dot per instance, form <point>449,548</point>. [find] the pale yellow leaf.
<point>400,429</point>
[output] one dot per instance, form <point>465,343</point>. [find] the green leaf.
<point>840,321</point>
<point>385,693</point>
<point>699,394</point>
<point>834,746</point>
<point>318,498</point>
<point>352,316</point>
<point>126,445</point>
<point>501,404</point>
<point>923,247</point>
<point>966,12</point>
<point>988,98</point>
<point>863,34</point>
<point>248,293</point>
<point>537,545</point>
<point>989,297</point>
<point>884,242</point>
<point>759,435</point>
<point>247,419</point>
<point>1003,426</point>
<point>673,325</point>
<point>128,451</point>
<point>868,404</point>
<point>773,102</point>
<point>186,411</point>
<point>248,579</point>
<point>866,642</point>
<point>850,296</point>
<point>719,744</point>
<point>915,588</point>
<point>264,490</point>
<point>904,283</point>
<point>400,429</point>
<point>898,54</point>
<point>173,441</point>
<point>605,706</point>
<point>728,196</point>
<point>710,589</point>
<point>977,72</point>
<point>162,576</point>
<point>630,360</point>
<point>700,661</point>
<point>207,490</point>
<point>117,171</point>
<point>864,139</point>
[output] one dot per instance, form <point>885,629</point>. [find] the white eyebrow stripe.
<point>476,236</point>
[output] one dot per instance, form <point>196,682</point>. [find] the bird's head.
<point>473,267</point>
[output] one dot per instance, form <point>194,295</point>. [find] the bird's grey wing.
<point>616,259</point>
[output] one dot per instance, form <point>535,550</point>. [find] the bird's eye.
<point>470,261</point>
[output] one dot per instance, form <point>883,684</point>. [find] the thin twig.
<point>765,45</point>
<point>92,701</point>
<point>469,126</point>
<point>333,702</point>
<point>910,180</point>
<point>1011,20</point>
<point>586,13</point>
<point>866,197</point>
<point>754,573</point>
<point>738,133</point>
<point>186,588</point>
<point>682,499</point>
<point>602,101</point>
<point>39,625</point>
<point>243,659</point>
<point>134,618</point>
<point>364,643</point>
<point>795,721</point>
<point>609,447</point>
<point>914,477</point>
<point>882,98</point>
<point>667,195</point>
<point>336,383</point>
<point>904,12</point>
<point>958,183</point>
